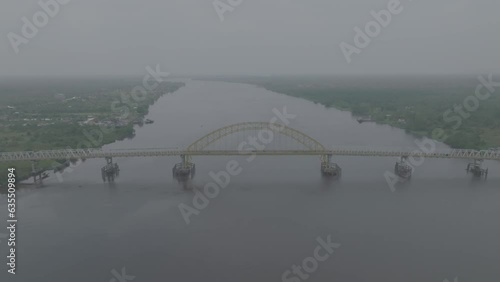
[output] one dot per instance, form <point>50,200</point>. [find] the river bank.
<point>89,119</point>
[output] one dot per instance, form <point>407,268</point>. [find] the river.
<point>441,225</point>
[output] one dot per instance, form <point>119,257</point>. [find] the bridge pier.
<point>403,169</point>
<point>476,168</point>
<point>328,168</point>
<point>184,170</point>
<point>37,174</point>
<point>110,170</point>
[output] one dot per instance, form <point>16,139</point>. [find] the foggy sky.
<point>259,37</point>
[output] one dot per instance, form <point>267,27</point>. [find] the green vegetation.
<point>41,114</point>
<point>416,104</point>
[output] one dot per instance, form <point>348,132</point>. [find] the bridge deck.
<point>98,153</point>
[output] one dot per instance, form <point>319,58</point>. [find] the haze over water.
<point>442,224</point>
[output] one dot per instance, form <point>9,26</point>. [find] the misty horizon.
<point>254,38</point>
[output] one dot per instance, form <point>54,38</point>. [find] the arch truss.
<point>277,128</point>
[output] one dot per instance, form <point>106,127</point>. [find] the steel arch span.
<point>277,128</point>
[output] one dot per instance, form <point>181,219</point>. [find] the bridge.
<point>258,145</point>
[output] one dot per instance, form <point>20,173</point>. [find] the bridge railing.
<point>152,152</point>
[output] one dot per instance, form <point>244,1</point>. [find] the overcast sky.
<point>259,37</point>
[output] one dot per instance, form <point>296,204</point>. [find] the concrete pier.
<point>403,169</point>
<point>330,169</point>
<point>476,168</point>
<point>110,171</point>
<point>185,170</point>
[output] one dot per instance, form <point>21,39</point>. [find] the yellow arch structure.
<point>304,139</point>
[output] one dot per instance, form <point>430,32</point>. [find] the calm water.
<point>440,226</point>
